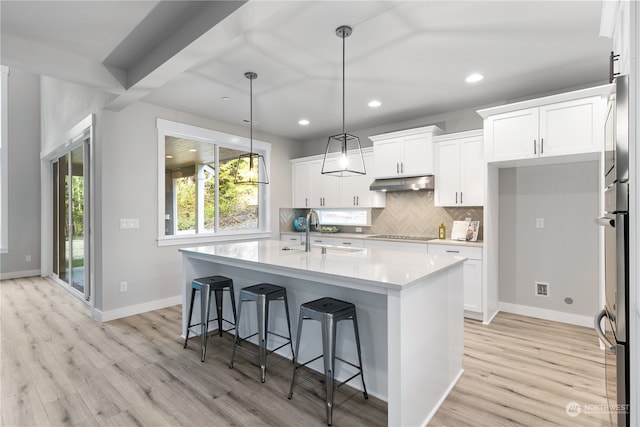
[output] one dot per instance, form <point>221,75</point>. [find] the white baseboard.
<point>105,316</point>
<point>19,274</point>
<point>541,313</point>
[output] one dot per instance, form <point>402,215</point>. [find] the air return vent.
<point>542,289</point>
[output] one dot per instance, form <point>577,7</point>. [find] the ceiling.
<point>412,56</point>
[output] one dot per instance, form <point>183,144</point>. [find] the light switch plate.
<point>539,222</point>
<point>129,223</point>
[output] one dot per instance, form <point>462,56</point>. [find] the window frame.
<point>4,162</point>
<point>221,139</point>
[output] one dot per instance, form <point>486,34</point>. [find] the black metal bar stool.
<point>262,294</point>
<point>207,285</point>
<point>329,311</point>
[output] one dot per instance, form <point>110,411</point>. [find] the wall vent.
<point>542,289</point>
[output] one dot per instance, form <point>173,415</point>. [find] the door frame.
<point>75,137</point>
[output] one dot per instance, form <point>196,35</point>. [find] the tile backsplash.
<point>409,213</point>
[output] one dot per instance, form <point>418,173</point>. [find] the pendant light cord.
<point>343,90</point>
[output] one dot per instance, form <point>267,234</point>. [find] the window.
<point>4,226</point>
<point>198,199</point>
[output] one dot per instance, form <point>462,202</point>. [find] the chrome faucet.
<point>307,243</point>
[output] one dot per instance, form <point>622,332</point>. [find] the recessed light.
<point>474,78</point>
<point>225,98</point>
<point>303,122</point>
<point>169,157</point>
<point>193,150</point>
<point>374,103</point>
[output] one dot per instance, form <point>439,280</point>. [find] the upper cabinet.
<point>459,169</point>
<point>312,189</point>
<point>615,23</point>
<point>404,153</point>
<point>561,125</point>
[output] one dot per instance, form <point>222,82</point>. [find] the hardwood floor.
<point>58,367</point>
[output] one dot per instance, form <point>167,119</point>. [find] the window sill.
<point>210,238</point>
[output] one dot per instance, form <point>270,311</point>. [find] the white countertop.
<point>339,235</point>
<point>380,267</point>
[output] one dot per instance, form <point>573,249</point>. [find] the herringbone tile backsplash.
<point>408,213</point>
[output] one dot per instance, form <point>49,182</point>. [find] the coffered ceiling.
<point>412,56</point>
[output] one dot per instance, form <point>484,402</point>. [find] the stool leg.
<point>355,330</point>
<point>219,310</point>
<point>286,309</point>
<point>204,315</point>
<point>329,350</point>
<point>263,319</point>
<point>295,360</point>
<point>236,340</point>
<point>193,296</point>
<point>232,295</point>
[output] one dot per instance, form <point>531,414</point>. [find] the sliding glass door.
<point>70,218</point>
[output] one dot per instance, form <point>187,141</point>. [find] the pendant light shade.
<point>251,168</point>
<point>350,161</point>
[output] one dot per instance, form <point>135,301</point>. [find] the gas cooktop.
<point>401,237</point>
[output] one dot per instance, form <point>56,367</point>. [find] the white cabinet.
<point>396,245</point>
<point>459,169</point>
<point>404,153</point>
<point>302,184</point>
<point>312,189</point>
<point>615,23</point>
<point>549,129</point>
<point>354,190</point>
<point>472,274</point>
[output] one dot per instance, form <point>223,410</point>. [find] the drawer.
<point>465,251</point>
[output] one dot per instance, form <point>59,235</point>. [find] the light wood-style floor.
<point>58,367</point>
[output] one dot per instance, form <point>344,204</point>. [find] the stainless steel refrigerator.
<point>611,323</point>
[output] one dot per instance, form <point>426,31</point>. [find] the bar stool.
<point>329,311</point>
<point>207,285</point>
<point>263,294</point>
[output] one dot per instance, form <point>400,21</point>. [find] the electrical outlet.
<point>123,286</point>
<point>542,289</point>
<point>358,229</point>
<point>539,222</point>
<point>28,258</point>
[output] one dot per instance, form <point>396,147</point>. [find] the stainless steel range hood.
<point>403,184</point>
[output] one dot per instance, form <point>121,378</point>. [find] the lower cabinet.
<point>472,271</point>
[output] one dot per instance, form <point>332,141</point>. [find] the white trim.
<point>19,274</point>
<point>105,316</point>
<point>541,313</point>
<point>602,91</point>
<point>196,133</point>
<point>4,163</point>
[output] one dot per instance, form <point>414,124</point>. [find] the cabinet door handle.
<point>346,243</point>
<point>541,145</point>
<point>456,197</point>
<point>306,202</point>
<point>453,252</point>
<point>534,147</point>
<point>354,201</point>
<point>397,167</point>
<point>357,200</point>
<point>401,167</point>
<point>461,197</point>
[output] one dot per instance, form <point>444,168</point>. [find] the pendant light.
<point>251,168</point>
<point>350,161</point>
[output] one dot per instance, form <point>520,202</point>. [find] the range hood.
<point>403,184</point>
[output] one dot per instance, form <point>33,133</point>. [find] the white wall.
<point>564,253</point>
<point>23,176</point>
<point>125,170</point>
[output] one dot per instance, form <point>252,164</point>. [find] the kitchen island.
<point>410,312</point>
